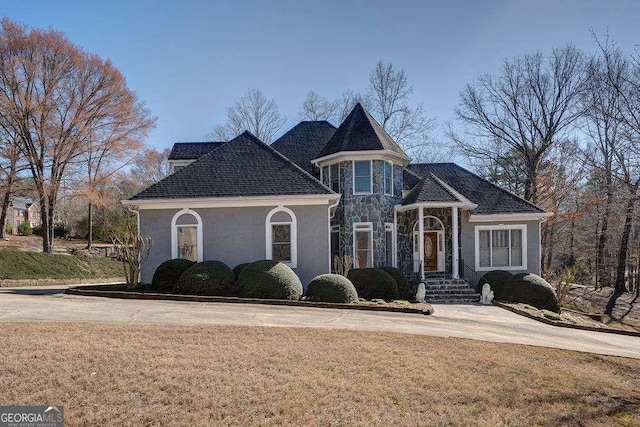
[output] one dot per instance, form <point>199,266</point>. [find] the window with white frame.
<point>186,235</point>
<point>388,178</point>
<point>388,244</point>
<point>362,182</point>
<point>281,236</point>
<point>363,245</point>
<point>334,177</point>
<point>501,246</point>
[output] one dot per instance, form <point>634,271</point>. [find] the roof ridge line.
<point>288,161</point>
<point>500,188</point>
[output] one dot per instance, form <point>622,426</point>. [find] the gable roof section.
<point>360,132</point>
<point>304,141</point>
<point>490,198</point>
<point>242,167</point>
<point>429,190</point>
<point>192,150</point>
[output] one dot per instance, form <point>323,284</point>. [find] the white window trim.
<point>353,170</point>
<point>522,227</point>
<point>174,232</point>
<point>362,226</point>
<point>294,235</point>
<point>384,178</point>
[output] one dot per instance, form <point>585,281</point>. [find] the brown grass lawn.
<point>161,375</point>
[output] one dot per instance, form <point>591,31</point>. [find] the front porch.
<point>428,241</point>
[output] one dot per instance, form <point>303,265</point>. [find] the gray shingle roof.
<point>242,167</point>
<point>360,132</point>
<point>192,150</point>
<point>303,143</point>
<point>429,190</point>
<point>490,198</point>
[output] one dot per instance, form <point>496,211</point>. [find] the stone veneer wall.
<point>376,208</point>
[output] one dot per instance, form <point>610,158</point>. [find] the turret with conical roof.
<point>363,163</point>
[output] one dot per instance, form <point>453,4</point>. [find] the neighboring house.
<point>319,195</point>
<point>21,210</point>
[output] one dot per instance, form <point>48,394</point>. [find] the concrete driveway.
<point>485,323</point>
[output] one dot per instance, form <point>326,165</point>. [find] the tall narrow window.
<point>388,178</point>
<point>363,245</point>
<point>281,236</point>
<point>336,262</point>
<point>362,177</point>
<point>186,235</point>
<point>334,173</point>
<point>388,243</point>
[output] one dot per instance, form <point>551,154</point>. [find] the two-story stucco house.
<point>320,194</point>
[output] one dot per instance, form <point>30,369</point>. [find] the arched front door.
<point>434,247</point>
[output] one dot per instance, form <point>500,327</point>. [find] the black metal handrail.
<point>469,274</point>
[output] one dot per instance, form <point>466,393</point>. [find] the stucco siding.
<point>237,235</point>
<point>467,239</point>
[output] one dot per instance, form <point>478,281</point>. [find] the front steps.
<point>442,289</point>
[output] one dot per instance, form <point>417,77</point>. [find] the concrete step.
<point>463,291</point>
<point>453,298</point>
<point>447,286</point>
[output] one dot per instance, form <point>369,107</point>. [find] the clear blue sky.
<point>190,60</point>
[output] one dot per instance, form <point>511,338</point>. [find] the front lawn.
<point>19,265</point>
<point>166,375</point>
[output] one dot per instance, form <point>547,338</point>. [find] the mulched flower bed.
<point>567,318</point>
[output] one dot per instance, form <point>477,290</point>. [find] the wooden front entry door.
<point>430,251</point>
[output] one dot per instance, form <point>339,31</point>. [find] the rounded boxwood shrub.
<point>269,280</point>
<point>331,288</point>
<point>496,279</point>
<point>528,288</point>
<point>238,269</point>
<point>206,278</point>
<point>373,283</point>
<point>401,280</point>
<point>166,276</point>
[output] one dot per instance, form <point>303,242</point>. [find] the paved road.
<point>485,323</point>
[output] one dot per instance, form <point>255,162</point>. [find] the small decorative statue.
<point>487,294</point>
<point>420,293</point>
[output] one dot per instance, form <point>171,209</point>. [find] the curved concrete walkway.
<point>485,323</point>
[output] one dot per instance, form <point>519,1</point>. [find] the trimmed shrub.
<point>496,279</point>
<point>531,289</point>
<point>269,280</point>
<point>166,276</point>
<point>238,269</point>
<point>331,288</point>
<point>373,283</point>
<point>206,278</point>
<point>401,280</point>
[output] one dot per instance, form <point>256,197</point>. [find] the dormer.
<point>364,154</point>
<point>184,153</point>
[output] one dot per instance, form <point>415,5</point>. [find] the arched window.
<point>281,236</point>
<point>186,235</point>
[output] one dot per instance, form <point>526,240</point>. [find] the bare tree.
<point>253,112</point>
<point>9,169</point>
<point>524,111</point>
<point>348,99</point>
<point>150,166</point>
<point>387,98</point>
<point>106,153</point>
<point>316,107</point>
<point>55,96</point>
<point>607,74</point>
